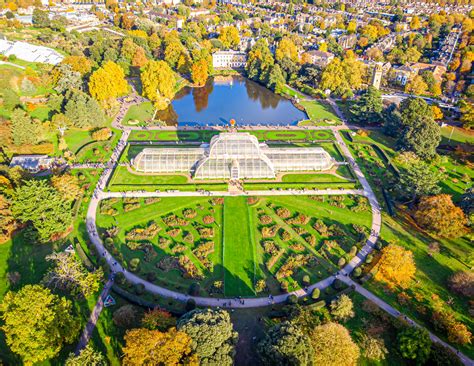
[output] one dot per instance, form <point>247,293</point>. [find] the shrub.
<point>188,238</point>
<point>206,232</point>
<point>125,316</point>
<point>203,250</point>
<point>341,262</point>
<point>139,288</point>
<point>208,219</point>
<point>285,235</point>
<point>269,247</point>
<point>190,305</point>
<point>357,272</point>
<point>283,212</point>
<point>101,134</point>
<point>270,232</point>
<point>265,219</point>
<point>252,200</point>
<point>173,220</point>
<point>292,299</point>
<point>189,213</point>
<point>146,233</point>
<point>369,258</point>
<point>353,251</point>
<point>284,286</point>
<point>306,280</point>
<point>337,284</point>
<point>310,239</point>
<point>134,264</point>
<point>174,232</point>
<point>316,293</point>
<point>194,289</point>
<point>217,201</point>
<point>260,286</point>
<point>321,228</point>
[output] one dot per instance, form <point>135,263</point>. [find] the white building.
<point>32,163</point>
<point>232,155</point>
<point>30,52</point>
<point>229,59</point>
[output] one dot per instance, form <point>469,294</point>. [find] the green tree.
<point>87,357</point>
<point>443,356</point>
<point>418,179</point>
<point>24,130</point>
<point>342,308</point>
<point>66,78</point>
<point>369,107</point>
<point>259,62</point>
<point>40,18</point>
<point>414,344</point>
<point>84,111</point>
<point>286,344</point>
<point>276,80</point>
<point>419,132</point>
<point>39,203</point>
<point>158,81</point>
<point>40,337</point>
<point>11,99</point>
<point>212,334</point>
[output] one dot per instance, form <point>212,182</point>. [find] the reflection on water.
<point>217,102</point>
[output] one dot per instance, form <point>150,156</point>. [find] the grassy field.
<point>141,112</point>
<point>239,249</point>
<point>292,92</point>
<point>312,178</point>
<point>319,111</point>
<point>456,135</point>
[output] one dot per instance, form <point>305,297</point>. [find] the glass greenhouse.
<point>232,155</point>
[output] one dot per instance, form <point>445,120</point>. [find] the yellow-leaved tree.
<point>396,266</point>
<point>158,83</point>
<point>286,48</point>
<point>229,36</point>
<point>152,347</point>
<point>200,72</point>
<point>108,82</point>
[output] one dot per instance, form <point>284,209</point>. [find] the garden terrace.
<point>224,244</point>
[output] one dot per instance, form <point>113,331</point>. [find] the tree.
<point>139,58</point>
<point>7,222</point>
<point>80,64</point>
<point>84,111</point>
<point>24,130</point>
<point>415,23</point>
<point>158,319</point>
<point>368,108</point>
<point>439,215</point>
<point>467,204</point>
<point>40,18</point>
<point>69,274</point>
<point>276,80</point>
<point>39,203</point>
<point>125,316</point>
<point>67,185</point>
<point>229,36</point>
<point>213,338</point>
<point>40,337</point>
<point>286,48</point>
<point>443,356</point>
<point>396,266</point>
<point>437,112</point>
<point>342,308</point>
<point>259,62</point>
<point>373,348</point>
<point>351,27</point>
<point>333,346</point>
<point>420,133</point>
<point>418,179</point>
<point>467,114</point>
<point>158,81</point>
<point>341,77</point>
<point>416,86</point>
<point>102,134</point>
<point>462,282</point>
<point>108,82</point>
<point>11,99</point>
<point>66,79</point>
<point>200,72</point>
<point>87,357</point>
<point>414,344</point>
<point>285,344</point>
<point>152,347</point>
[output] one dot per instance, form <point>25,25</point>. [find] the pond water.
<point>236,98</point>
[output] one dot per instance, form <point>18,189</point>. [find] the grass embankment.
<point>239,249</point>
<point>320,112</point>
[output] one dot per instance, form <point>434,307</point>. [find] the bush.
<point>318,305</point>
<point>190,305</point>
<point>353,251</point>
<point>306,280</point>
<point>337,284</point>
<point>357,272</point>
<point>125,316</point>
<point>369,259</point>
<point>292,299</point>
<point>208,219</point>
<point>134,264</point>
<point>316,293</point>
<point>283,213</point>
<point>194,289</point>
<point>341,262</point>
<point>139,289</point>
<point>284,286</point>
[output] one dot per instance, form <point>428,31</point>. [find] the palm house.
<point>232,155</point>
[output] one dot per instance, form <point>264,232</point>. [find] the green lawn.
<point>312,178</point>
<point>292,93</point>
<point>76,139</point>
<point>319,111</point>
<point>239,249</point>
<point>141,112</point>
<point>455,135</point>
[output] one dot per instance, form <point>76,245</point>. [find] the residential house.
<point>321,58</point>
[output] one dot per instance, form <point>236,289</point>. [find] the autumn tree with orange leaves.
<point>152,347</point>
<point>396,266</point>
<point>439,215</point>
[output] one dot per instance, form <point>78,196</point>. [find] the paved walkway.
<point>87,333</point>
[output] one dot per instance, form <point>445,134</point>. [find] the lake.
<point>236,98</point>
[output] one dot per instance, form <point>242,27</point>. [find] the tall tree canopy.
<point>418,179</point>
<point>419,132</point>
<point>333,346</point>
<point>396,266</point>
<point>25,131</point>
<point>212,334</point>
<point>229,36</point>
<point>439,215</point>
<point>286,48</point>
<point>39,203</point>
<point>158,82</point>
<point>40,337</point>
<point>368,108</point>
<point>414,344</point>
<point>152,347</point>
<point>286,344</point>
<point>108,82</point>
<point>87,357</point>
<point>259,62</point>
<point>342,76</point>
<point>84,111</point>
